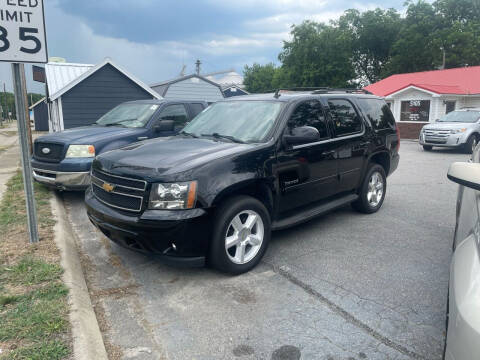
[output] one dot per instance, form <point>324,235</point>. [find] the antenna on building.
<point>197,66</point>
<point>182,72</point>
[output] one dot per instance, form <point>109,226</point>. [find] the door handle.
<point>327,153</point>
<point>142,138</point>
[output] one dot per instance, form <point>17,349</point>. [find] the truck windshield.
<point>128,115</point>
<point>245,121</point>
<point>461,117</point>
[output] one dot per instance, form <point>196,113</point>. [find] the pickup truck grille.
<point>53,154</point>
<point>436,136</point>
<point>117,191</point>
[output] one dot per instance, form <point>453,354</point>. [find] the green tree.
<point>373,34</point>
<point>259,78</point>
<point>415,49</point>
<point>317,55</point>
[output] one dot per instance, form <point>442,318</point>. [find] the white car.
<point>457,129</point>
<point>463,326</point>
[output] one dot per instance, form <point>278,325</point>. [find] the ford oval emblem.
<point>46,150</point>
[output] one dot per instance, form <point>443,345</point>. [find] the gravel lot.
<point>344,286</point>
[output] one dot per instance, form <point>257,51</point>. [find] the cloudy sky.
<point>153,38</point>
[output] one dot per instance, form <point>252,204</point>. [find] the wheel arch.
<point>259,189</point>
<point>383,159</point>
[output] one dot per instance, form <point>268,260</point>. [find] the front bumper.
<point>463,338</point>
<point>68,174</point>
<point>62,180</point>
<point>178,237</point>
<point>451,140</point>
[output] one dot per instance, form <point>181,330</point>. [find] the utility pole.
<point>197,66</point>
<point>27,112</point>
<point>18,75</point>
<point>5,110</point>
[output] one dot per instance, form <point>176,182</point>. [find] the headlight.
<point>456,131</point>
<point>173,196</point>
<point>80,151</point>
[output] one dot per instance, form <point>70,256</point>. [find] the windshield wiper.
<point>188,134</point>
<point>228,137</point>
<point>118,123</point>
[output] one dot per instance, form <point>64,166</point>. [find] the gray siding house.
<point>80,94</point>
<point>40,115</point>
<point>190,87</point>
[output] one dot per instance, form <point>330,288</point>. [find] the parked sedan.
<point>463,335</point>
<point>457,129</point>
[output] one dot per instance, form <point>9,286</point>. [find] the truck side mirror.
<point>164,125</point>
<point>301,135</point>
<point>466,174</point>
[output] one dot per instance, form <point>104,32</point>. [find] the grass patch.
<point>31,271</point>
<point>33,299</point>
<point>52,350</point>
<point>13,209</point>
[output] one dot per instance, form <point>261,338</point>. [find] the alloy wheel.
<point>244,236</point>
<point>375,189</point>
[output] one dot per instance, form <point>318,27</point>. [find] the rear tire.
<point>470,144</point>
<point>427,147</point>
<point>372,192</point>
<point>241,233</point>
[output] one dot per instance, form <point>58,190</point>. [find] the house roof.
<point>457,81</point>
<point>181,78</point>
<point>65,76</point>
<point>231,78</point>
<point>60,75</point>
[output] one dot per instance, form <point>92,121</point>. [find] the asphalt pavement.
<point>343,286</point>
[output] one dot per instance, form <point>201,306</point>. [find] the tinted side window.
<point>309,113</point>
<point>177,113</point>
<point>197,108</point>
<point>345,119</point>
<point>378,112</point>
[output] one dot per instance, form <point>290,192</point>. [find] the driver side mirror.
<point>302,135</point>
<point>466,174</point>
<point>164,125</point>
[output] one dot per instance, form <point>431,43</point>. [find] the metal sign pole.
<point>18,86</point>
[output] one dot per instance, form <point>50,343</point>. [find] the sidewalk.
<point>9,159</point>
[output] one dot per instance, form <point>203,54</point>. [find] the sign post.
<point>23,40</point>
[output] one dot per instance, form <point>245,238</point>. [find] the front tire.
<point>470,144</point>
<point>372,192</point>
<point>427,147</point>
<point>241,233</point>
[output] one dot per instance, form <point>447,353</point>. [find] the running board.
<point>312,211</point>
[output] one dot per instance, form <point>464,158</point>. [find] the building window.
<point>415,110</point>
<point>449,106</point>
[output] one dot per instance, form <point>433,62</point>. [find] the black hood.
<point>167,156</point>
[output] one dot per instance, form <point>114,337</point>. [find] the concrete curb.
<point>87,338</point>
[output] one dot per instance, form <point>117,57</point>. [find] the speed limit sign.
<point>22,31</point>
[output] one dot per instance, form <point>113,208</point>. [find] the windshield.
<point>128,115</point>
<point>246,121</point>
<point>461,117</point>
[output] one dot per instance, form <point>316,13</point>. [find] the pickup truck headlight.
<point>80,151</point>
<point>169,196</point>
<point>456,131</point>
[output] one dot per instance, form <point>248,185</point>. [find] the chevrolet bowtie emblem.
<point>108,187</point>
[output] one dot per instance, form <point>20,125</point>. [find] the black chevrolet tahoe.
<point>241,168</point>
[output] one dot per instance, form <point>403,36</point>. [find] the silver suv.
<point>457,129</point>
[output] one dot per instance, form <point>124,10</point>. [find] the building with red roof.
<point>422,97</point>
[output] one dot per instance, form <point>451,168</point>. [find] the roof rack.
<point>322,90</point>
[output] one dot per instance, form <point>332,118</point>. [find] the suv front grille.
<point>117,191</point>
<point>436,136</point>
<point>53,154</point>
